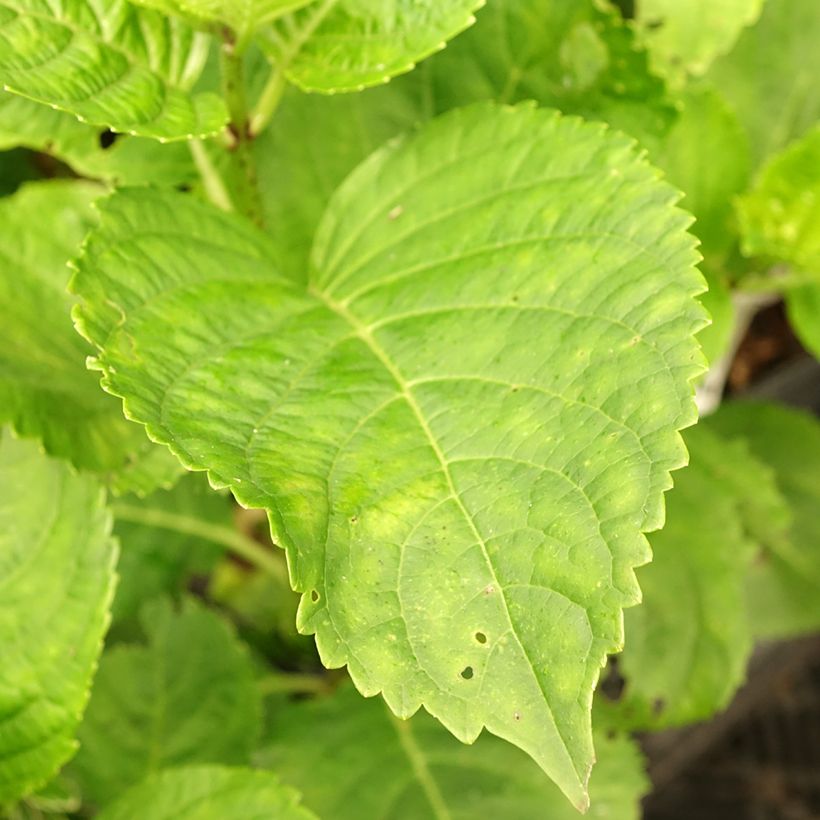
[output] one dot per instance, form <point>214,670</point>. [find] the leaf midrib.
<point>404,388</point>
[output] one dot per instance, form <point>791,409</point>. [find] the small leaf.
<point>346,45</point>
<point>56,584</point>
<point>46,392</point>
<point>803,304</point>
<point>208,793</point>
<point>189,696</point>
<point>462,424</point>
<point>770,76</point>
<point>110,64</point>
<point>780,216</point>
<point>689,34</point>
<point>423,772</point>
<point>785,583</point>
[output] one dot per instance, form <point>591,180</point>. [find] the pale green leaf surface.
<point>129,161</point>
<point>705,154</point>
<point>56,584</point>
<point>462,425</point>
<point>770,76</point>
<point>208,793</point>
<point>347,45</point>
<point>689,34</point>
<point>351,759</point>
<point>187,697</point>
<point>780,216</point>
<point>785,586</point>
<point>803,304</point>
<point>688,643</point>
<point>46,392</point>
<point>156,559</point>
<point>109,64</point>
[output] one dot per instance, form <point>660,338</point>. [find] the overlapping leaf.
<point>780,216</point>
<point>459,428</point>
<point>689,34</point>
<point>208,793</point>
<point>56,583</point>
<point>803,304</point>
<point>111,64</point>
<point>346,45</point>
<point>422,772</point>
<point>45,389</point>
<point>770,76</point>
<point>188,697</point>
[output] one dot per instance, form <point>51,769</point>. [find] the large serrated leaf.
<point>414,770</point>
<point>347,45</point>
<point>461,426</point>
<point>45,390</point>
<point>208,793</point>
<point>109,64</point>
<point>56,584</point>
<point>188,697</point>
<point>780,216</point>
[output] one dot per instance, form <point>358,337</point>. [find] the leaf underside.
<point>56,584</point>
<point>460,427</point>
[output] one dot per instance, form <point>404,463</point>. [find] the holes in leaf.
<point>107,138</point>
<point>481,637</point>
<point>314,596</point>
<point>467,673</point>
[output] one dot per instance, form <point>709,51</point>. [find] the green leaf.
<point>208,793</point>
<point>347,45</point>
<point>780,216</point>
<point>770,76</point>
<point>576,55</point>
<point>422,772</point>
<point>128,161</point>
<point>689,34</point>
<point>109,64</point>
<point>160,541</point>
<point>706,155</point>
<point>187,697</point>
<point>56,584</point>
<point>716,338</point>
<point>46,391</point>
<point>803,304</point>
<point>785,583</point>
<point>461,426</point>
<point>687,645</point>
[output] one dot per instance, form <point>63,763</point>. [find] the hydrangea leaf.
<point>208,793</point>
<point>56,583</point>
<point>110,64</point>
<point>687,645</point>
<point>461,425</point>
<point>187,697</point>
<point>785,584</point>
<point>45,390</point>
<point>347,45</point>
<point>159,544</point>
<point>803,304</point>
<point>127,161</point>
<point>780,216</point>
<point>418,771</point>
<point>770,76</point>
<point>689,34</point>
<point>705,153</point>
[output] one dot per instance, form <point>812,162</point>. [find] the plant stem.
<point>247,195</point>
<point>268,101</point>
<point>233,540</point>
<point>212,182</point>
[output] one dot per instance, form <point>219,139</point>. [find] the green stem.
<point>231,539</point>
<point>247,195</point>
<point>268,101</point>
<point>293,683</point>
<point>212,182</point>
<point>420,769</point>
